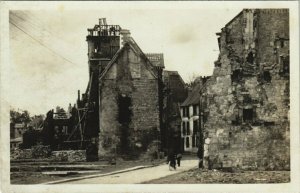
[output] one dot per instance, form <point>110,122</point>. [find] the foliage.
<point>19,117</point>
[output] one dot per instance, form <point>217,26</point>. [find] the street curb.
<point>97,175</point>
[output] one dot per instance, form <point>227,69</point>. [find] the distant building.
<point>15,143</point>
<point>17,130</point>
<point>175,92</point>
<point>190,114</point>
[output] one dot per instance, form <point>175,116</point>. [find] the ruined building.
<point>247,96</point>
<point>122,103</point>
<point>130,104</point>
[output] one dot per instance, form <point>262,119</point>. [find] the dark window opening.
<point>267,76</point>
<point>195,128</point>
<point>285,65</point>
<point>230,134</point>
<point>188,128</point>
<point>250,58</point>
<point>193,141</point>
<point>194,109</point>
<point>269,123</point>
<point>187,142</point>
<point>248,115</point>
<point>247,99</point>
<point>236,75</point>
<point>281,43</point>
<point>183,128</point>
<point>187,112</point>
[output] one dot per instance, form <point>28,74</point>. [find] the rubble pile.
<point>69,155</point>
<point>20,154</point>
<point>41,151</point>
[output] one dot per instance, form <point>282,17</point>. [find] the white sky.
<point>186,37</point>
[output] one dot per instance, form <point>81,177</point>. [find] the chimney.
<point>125,34</point>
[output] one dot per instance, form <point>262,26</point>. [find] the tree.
<point>19,117</point>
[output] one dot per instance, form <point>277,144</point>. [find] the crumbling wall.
<point>248,94</point>
<point>128,77</point>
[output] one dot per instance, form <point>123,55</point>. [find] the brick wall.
<point>130,77</point>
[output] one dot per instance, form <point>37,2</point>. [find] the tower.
<point>103,43</point>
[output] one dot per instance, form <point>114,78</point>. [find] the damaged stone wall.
<point>248,93</point>
<point>128,78</point>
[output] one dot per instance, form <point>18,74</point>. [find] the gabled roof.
<point>175,85</point>
<point>193,97</point>
<point>137,50</point>
<point>168,73</point>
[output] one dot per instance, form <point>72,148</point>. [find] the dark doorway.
<point>250,58</point>
<point>124,118</point>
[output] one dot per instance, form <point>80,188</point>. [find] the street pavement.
<point>139,175</point>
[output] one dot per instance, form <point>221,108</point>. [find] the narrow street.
<point>138,176</point>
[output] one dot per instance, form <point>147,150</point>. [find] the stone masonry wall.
<point>248,94</point>
<point>128,77</point>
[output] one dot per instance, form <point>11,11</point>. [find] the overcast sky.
<point>48,51</point>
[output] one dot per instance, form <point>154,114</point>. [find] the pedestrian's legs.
<point>178,162</point>
<point>173,163</point>
<point>200,164</point>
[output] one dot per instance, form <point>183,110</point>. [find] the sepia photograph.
<point>151,93</point>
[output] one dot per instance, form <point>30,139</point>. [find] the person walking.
<point>171,159</point>
<point>178,158</point>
